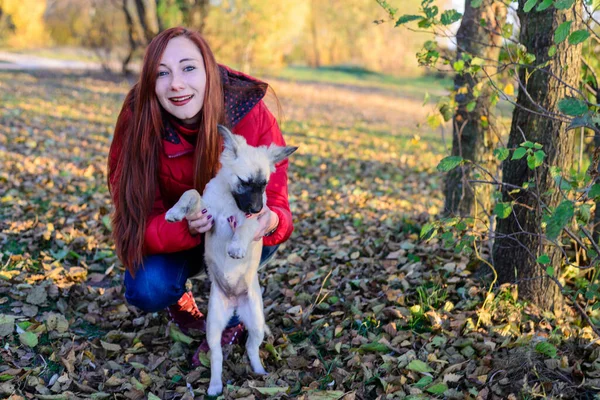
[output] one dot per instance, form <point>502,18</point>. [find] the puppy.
<point>231,255</point>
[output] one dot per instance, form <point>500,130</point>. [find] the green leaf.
<point>476,3</point>
<point>450,16</point>
<point>325,395</point>
<point>550,270</point>
<point>458,66</point>
<point>543,259</point>
<point>519,153</point>
<point>204,359</point>
<point>501,153</point>
<point>478,61</point>
<point>536,159</point>
<point>407,18</point>
<point>446,111</point>
<point>449,163</point>
<point>552,51</point>
<point>438,388</point>
<point>179,336</point>
<point>572,106</point>
<point>528,144</point>
<point>106,222</point>
<point>28,339</point>
<point>502,210</point>
<point>271,391</point>
<point>546,349</point>
<point>529,5</point>
<point>423,382</point>
<point>419,366</point>
<point>561,217</point>
<point>374,347</point>
<point>544,5</point>
<point>578,36</point>
<point>471,106</point>
<point>594,191</point>
<point>563,4</point>
<point>426,229</point>
<point>562,32</point>
<point>587,120</point>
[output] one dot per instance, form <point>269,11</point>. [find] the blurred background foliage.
<point>247,34</point>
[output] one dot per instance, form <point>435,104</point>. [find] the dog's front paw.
<point>175,214</point>
<point>236,251</point>
<point>215,388</point>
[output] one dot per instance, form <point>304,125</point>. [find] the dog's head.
<point>247,169</point>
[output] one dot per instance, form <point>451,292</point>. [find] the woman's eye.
<point>189,68</point>
<point>162,73</point>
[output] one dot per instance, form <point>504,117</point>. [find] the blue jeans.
<point>161,282</point>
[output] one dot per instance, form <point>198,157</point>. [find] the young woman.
<point>165,143</point>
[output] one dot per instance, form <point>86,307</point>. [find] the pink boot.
<point>232,335</point>
<point>186,315</point>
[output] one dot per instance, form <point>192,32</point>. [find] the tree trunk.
<point>473,138</point>
<point>143,17</point>
<point>131,37</point>
<point>194,13</point>
<point>517,243</point>
<point>314,33</point>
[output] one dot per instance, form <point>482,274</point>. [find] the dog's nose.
<point>255,210</point>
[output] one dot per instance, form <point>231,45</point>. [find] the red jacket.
<point>248,116</point>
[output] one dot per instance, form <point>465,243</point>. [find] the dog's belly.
<point>232,275</point>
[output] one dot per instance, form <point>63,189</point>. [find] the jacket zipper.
<point>181,153</point>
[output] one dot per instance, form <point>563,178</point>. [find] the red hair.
<point>133,180</point>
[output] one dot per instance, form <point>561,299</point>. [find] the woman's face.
<point>181,80</point>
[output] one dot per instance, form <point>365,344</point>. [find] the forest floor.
<point>358,305</point>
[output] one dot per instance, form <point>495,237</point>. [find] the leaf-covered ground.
<point>357,305</point>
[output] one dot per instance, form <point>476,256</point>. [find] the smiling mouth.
<point>180,101</point>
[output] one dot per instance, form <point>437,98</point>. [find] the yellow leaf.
<point>509,89</point>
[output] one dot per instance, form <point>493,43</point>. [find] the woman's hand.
<point>200,222</point>
<point>267,222</point>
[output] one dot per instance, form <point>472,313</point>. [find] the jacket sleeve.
<point>277,189</point>
<point>167,237</point>
<point>160,236</point>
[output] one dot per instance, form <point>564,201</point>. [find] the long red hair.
<point>133,181</point>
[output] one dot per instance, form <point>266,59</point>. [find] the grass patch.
<point>410,86</point>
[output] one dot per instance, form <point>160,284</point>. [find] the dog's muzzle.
<point>249,202</point>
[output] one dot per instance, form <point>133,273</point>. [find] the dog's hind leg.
<point>251,313</point>
<point>219,313</point>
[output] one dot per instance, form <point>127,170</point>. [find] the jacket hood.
<point>241,93</point>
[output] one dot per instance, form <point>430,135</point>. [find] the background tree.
<point>478,41</point>
<point>519,240</point>
<point>23,21</point>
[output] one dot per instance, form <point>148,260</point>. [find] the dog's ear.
<point>229,140</point>
<point>279,153</point>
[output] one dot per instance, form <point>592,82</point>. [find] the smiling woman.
<point>181,81</point>
<point>165,143</point>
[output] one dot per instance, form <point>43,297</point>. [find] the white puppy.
<point>231,255</point>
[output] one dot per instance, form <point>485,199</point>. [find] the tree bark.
<point>131,37</point>
<point>194,13</point>
<point>517,243</point>
<point>314,33</point>
<point>473,138</point>
<point>142,16</point>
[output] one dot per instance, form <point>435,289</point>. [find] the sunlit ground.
<point>358,306</point>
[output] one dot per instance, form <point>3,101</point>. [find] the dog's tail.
<point>189,203</point>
